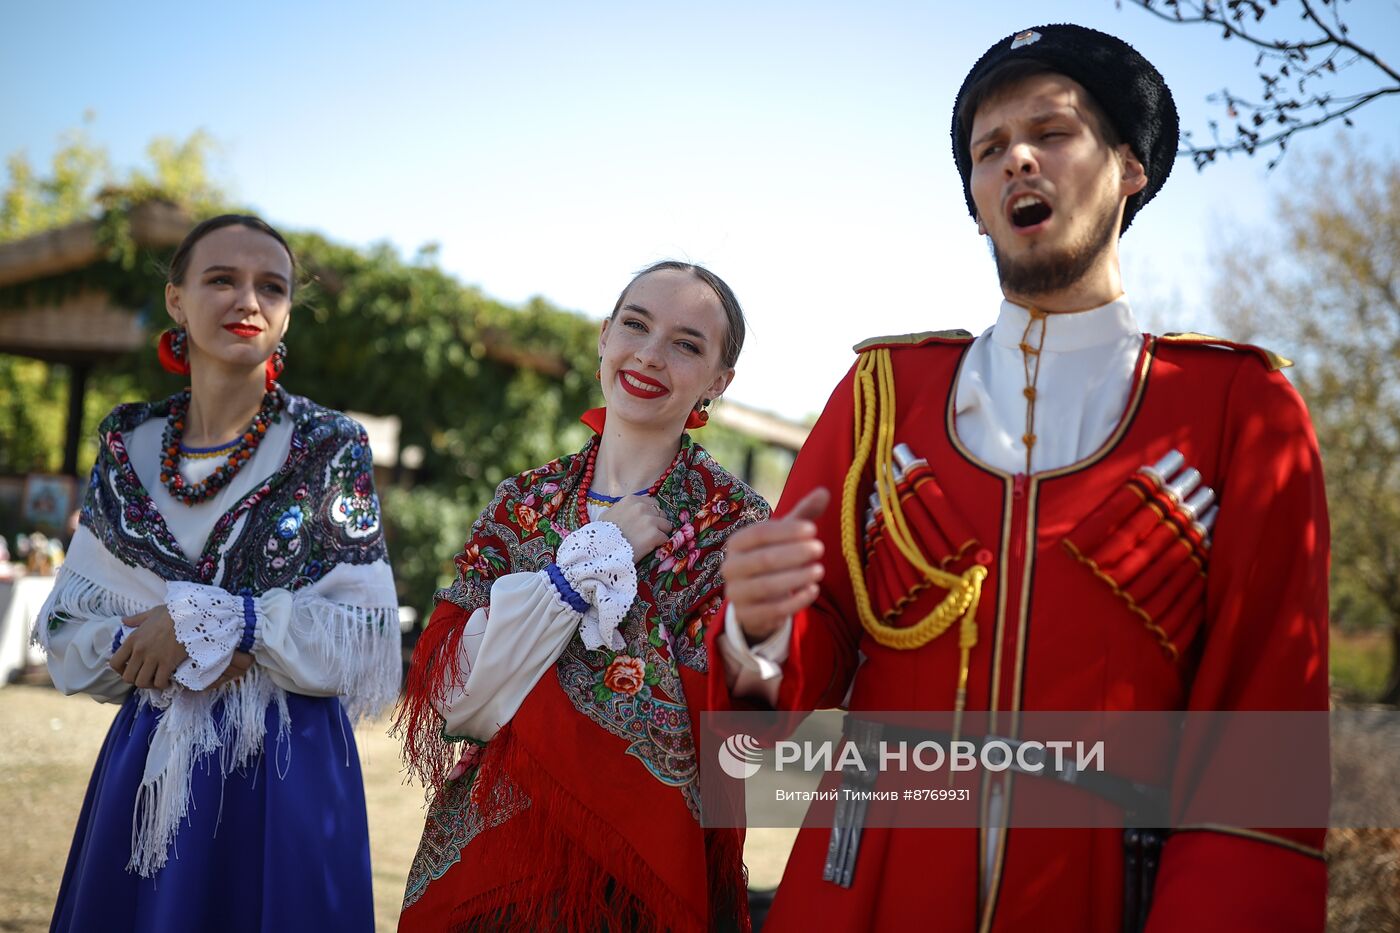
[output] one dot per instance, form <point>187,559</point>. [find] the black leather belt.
<point>1142,805</point>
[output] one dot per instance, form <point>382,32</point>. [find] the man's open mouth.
<point>1027,210</point>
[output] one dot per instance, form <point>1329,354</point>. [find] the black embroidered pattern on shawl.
<point>317,510</point>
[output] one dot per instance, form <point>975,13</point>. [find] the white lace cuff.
<point>211,623</point>
<point>595,576</point>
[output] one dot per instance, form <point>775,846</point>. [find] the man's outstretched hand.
<point>771,569</point>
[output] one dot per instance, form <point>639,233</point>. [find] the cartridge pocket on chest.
<point>1149,542</point>
<point>926,516</point>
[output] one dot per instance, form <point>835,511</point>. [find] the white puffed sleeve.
<point>508,646</point>
<point>337,637</point>
<point>78,656</point>
<point>528,629</point>
<point>210,622</point>
<point>81,624</point>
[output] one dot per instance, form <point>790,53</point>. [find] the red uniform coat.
<point>1246,630</point>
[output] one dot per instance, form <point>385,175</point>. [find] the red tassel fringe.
<point>584,875</point>
<point>436,667</point>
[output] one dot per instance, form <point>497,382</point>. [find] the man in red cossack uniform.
<point>1063,513</point>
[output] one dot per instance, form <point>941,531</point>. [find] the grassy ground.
<point>50,742</point>
<point>1360,663</point>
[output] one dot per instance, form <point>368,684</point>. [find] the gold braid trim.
<point>908,340</point>
<point>1270,358</point>
<point>1137,610</point>
<point>874,430</point>
<point>1256,835</point>
<point>905,601</point>
<point>968,545</point>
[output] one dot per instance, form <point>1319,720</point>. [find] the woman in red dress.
<point>551,707</point>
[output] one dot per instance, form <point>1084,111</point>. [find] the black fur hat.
<point>1131,92</point>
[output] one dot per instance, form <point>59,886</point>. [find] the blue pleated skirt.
<point>281,845</point>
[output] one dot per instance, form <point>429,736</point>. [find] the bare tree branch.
<point>1290,69</point>
<point>1208,16</point>
<point>1339,39</point>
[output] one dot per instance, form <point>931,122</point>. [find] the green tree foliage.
<point>34,202</point>
<point>373,333</point>
<point>80,181</point>
<point>482,389</point>
<point>426,526</point>
<point>34,413</point>
<point>1323,286</point>
<point>81,185</point>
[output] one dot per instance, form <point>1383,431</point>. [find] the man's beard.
<point>1053,272</point>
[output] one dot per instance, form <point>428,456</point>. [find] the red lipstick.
<point>649,388</point>
<point>243,330</point>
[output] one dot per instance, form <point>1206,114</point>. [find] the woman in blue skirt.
<point>229,587</point>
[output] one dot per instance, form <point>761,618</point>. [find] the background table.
<point>20,601</point>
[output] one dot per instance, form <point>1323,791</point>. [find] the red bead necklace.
<point>587,482</point>
<point>240,452</point>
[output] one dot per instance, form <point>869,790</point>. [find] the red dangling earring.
<point>698,417</point>
<point>275,364</point>
<point>173,351</point>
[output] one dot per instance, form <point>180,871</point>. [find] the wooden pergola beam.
<point>154,225</point>
<point>84,328</point>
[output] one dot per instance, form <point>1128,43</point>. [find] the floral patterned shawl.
<point>318,510</point>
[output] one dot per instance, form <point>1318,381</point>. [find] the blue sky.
<point>800,149</point>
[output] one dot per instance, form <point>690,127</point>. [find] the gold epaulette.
<point>1270,358</point>
<point>909,340</point>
